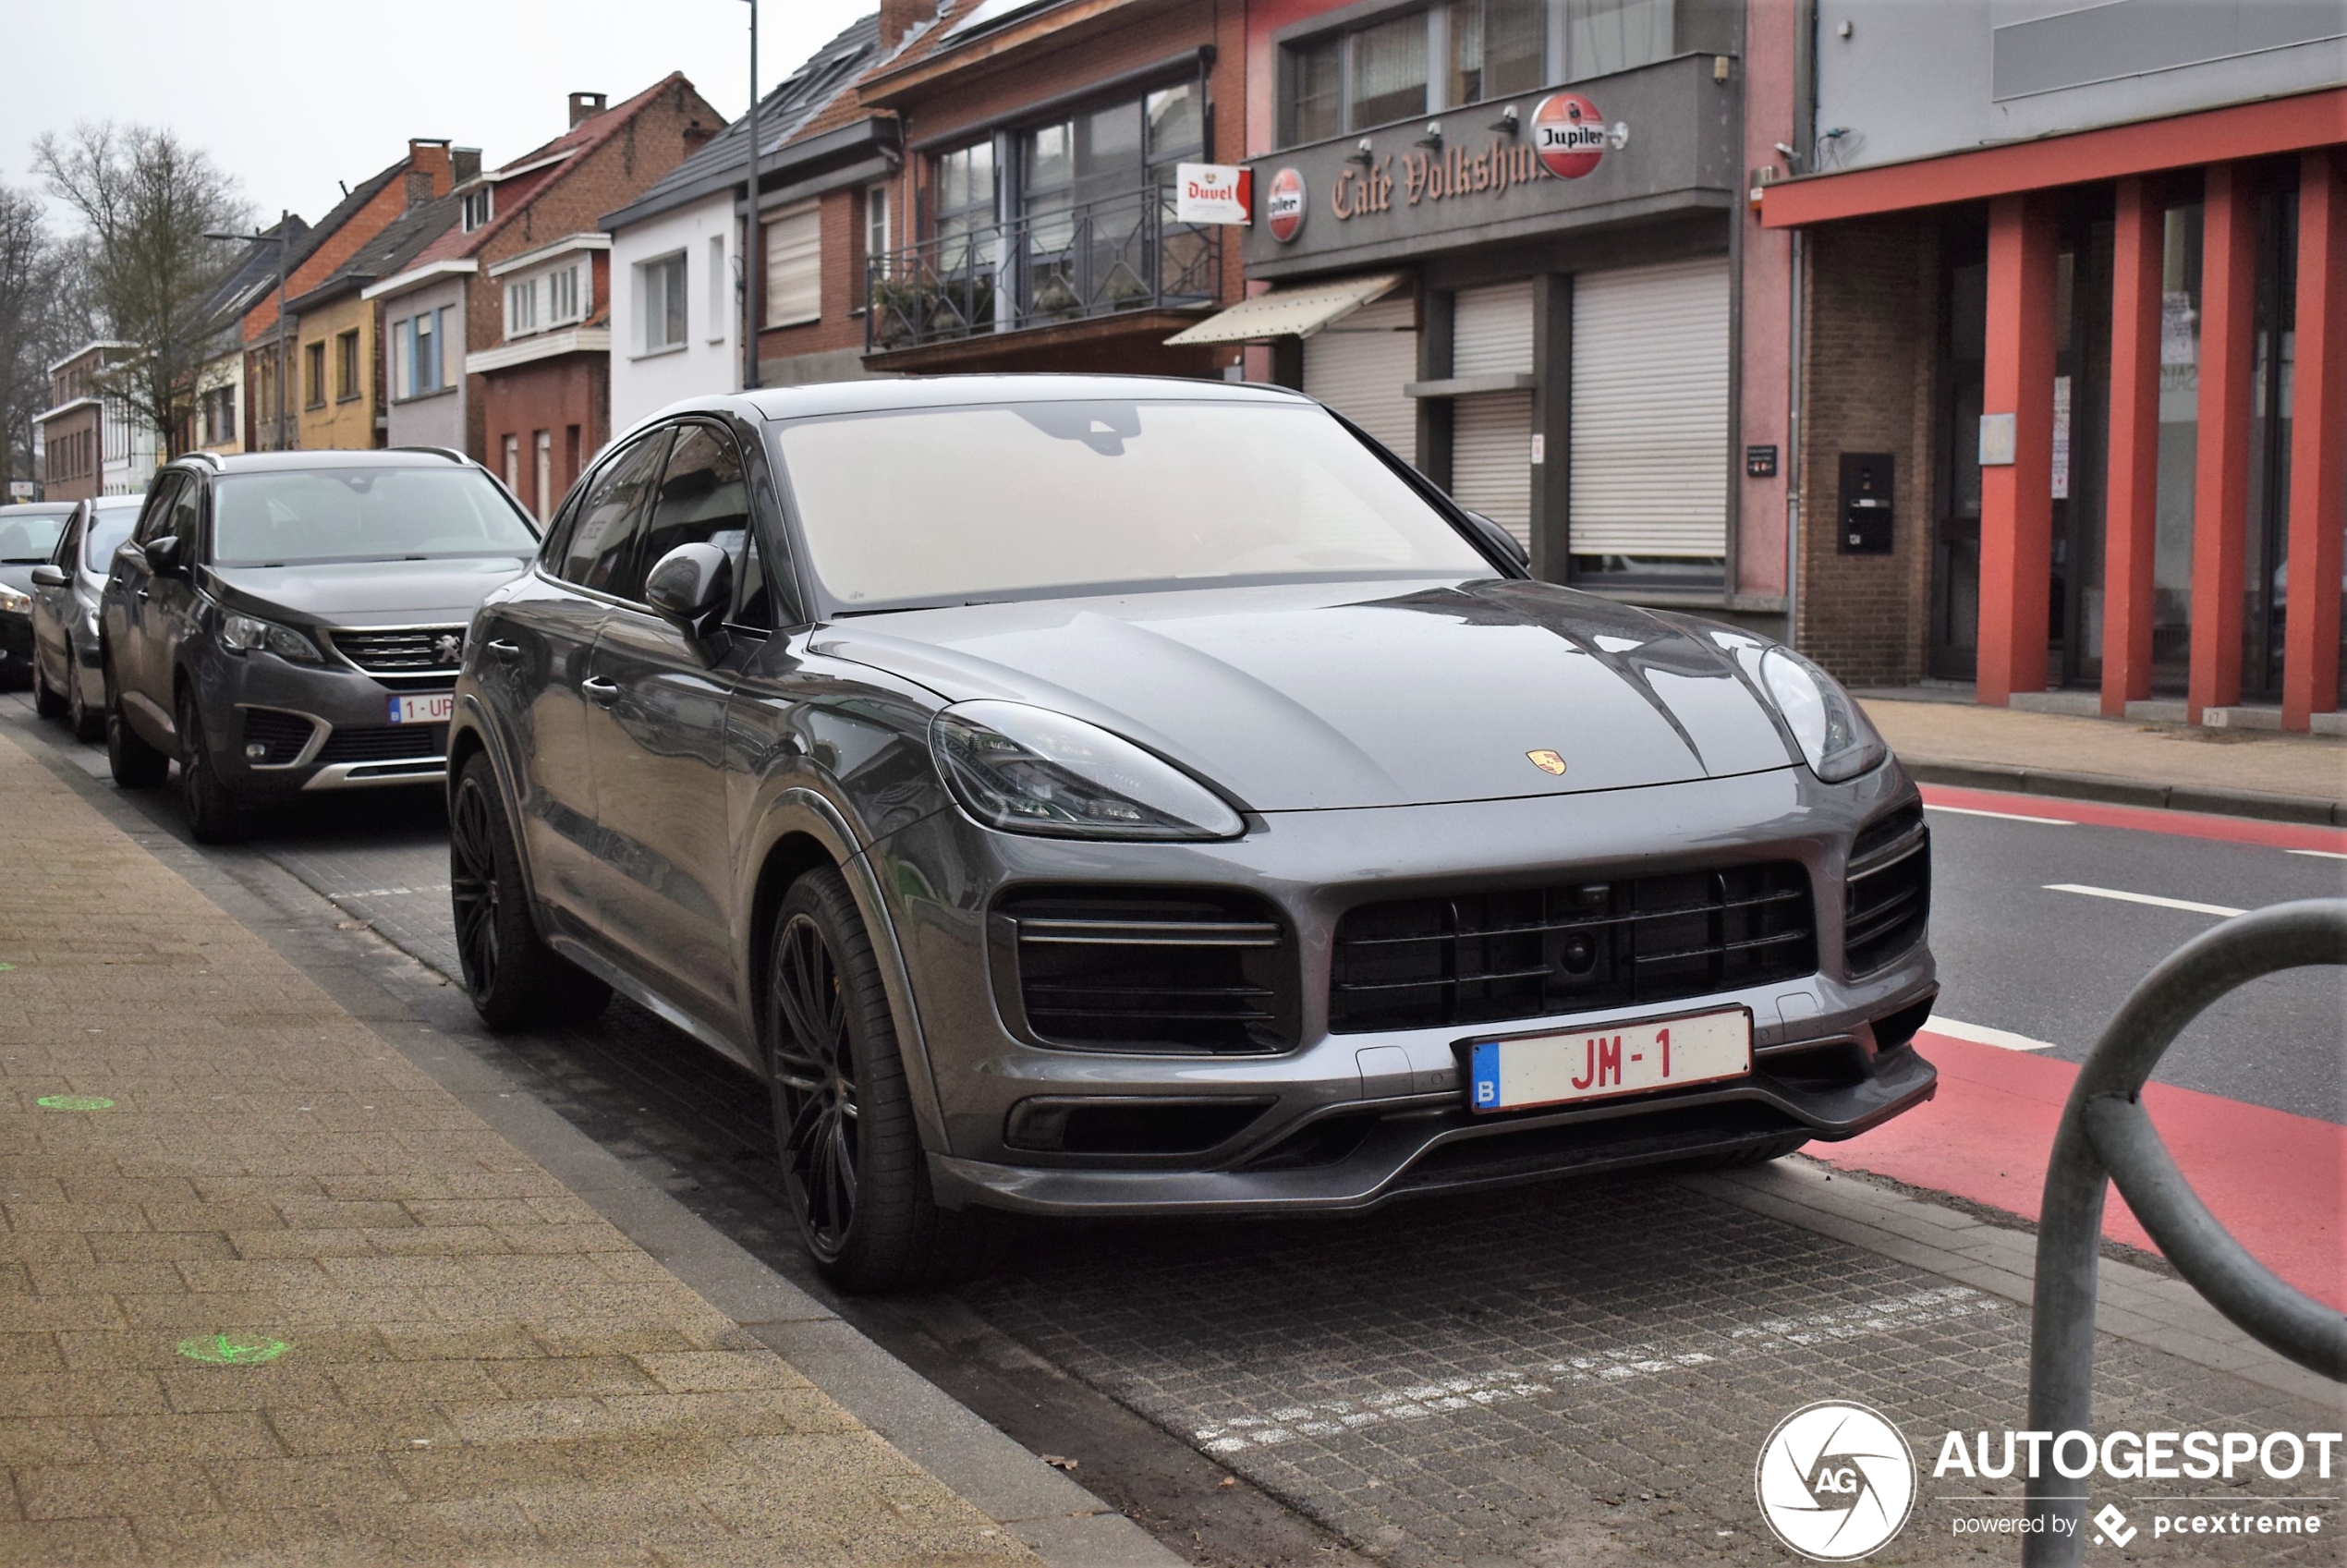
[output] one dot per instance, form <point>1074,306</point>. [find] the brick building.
<point>1034,204</point>
<point>94,441</point>
<point>2074,378</point>
<point>450,306</point>
<point>676,309</point>
<point>341,330</point>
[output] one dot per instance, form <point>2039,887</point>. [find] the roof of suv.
<point>282,462</point>
<point>945,392</point>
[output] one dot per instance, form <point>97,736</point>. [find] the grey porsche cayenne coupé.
<point>1107,796</point>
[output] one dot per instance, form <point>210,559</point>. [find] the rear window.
<point>30,536</point>
<point>286,519</point>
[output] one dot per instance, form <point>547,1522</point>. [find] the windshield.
<point>946,505</point>
<point>109,526</point>
<point>30,536</point>
<point>285,520</point>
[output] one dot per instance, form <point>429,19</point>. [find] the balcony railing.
<point>1051,265</point>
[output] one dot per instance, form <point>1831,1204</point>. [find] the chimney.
<point>419,188</point>
<point>429,171</point>
<point>898,18</point>
<point>585,106</point>
<point>464,165</point>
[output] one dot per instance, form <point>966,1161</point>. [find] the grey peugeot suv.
<point>281,623</point>
<point>1095,795</point>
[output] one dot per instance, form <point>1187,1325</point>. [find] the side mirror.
<point>1496,537</point>
<point>163,555</point>
<point>692,586</point>
<point>47,576</point>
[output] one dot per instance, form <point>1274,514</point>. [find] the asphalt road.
<point>1542,1377</point>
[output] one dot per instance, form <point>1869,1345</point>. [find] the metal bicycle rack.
<point>2105,1133</point>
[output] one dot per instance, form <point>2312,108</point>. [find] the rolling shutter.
<point>1649,472</point>
<point>1492,458</point>
<point>1359,366</point>
<point>1491,431</point>
<point>794,266</point>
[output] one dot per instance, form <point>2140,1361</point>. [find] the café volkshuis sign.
<point>1663,137</point>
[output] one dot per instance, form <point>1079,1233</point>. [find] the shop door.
<point>2082,403</point>
<point>1491,431</point>
<point>1360,367</point>
<point>2266,539</point>
<point>1650,475</point>
<point>1955,533</point>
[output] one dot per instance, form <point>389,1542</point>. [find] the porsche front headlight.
<point>1832,731</point>
<point>1032,771</point>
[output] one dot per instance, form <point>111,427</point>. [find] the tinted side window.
<point>69,542</point>
<point>155,518</point>
<point>601,543</point>
<point>185,508</point>
<point>701,501</point>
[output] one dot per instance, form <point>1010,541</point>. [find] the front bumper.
<point>16,646</point>
<point>260,699</point>
<point>1350,1120</point>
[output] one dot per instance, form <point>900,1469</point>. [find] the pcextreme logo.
<point>1835,1481</point>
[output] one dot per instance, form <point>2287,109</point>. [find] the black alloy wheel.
<point>49,704</point>
<point>513,979</point>
<point>134,763</point>
<point>853,1171</point>
<point>214,814</point>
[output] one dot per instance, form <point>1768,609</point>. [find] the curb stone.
<point>2128,792</point>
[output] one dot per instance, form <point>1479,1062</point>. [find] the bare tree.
<point>45,314</point>
<point>151,204</point>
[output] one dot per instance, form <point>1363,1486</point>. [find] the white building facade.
<point>676,307</point>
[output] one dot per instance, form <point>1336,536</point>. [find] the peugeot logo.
<point>448,649</point>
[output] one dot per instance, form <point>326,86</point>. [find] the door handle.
<point>504,649</point>
<point>602,692</point>
<point>142,593</point>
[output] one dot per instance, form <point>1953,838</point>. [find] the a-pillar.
<point>2132,532</point>
<point>2016,498</point>
<point>2220,487</point>
<point>2317,486</point>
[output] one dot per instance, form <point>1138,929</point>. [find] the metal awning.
<point>1289,312</point>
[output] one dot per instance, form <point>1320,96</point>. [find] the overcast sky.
<point>291,96</point>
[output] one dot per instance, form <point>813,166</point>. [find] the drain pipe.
<point>1794,428</point>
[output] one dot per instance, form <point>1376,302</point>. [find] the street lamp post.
<point>749,223</point>
<point>284,223</point>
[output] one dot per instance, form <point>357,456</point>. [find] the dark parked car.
<point>28,535</point>
<point>288,622</point>
<point>1105,796</point>
<point>69,681</point>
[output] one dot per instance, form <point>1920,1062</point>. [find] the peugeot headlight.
<point>1032,771</point>
<point>250,634</point>
<point>1834,734</point>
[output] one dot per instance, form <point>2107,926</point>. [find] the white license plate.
<point>436,709</point>
<point>1599,1063</point>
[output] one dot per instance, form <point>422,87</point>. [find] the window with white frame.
<point>720,286</point>
<point>479,207</point>
<point>661,293</point>
<point>521,307</point>
<point>795,265</point>
<point>877,242</point>
<point>567,294</point>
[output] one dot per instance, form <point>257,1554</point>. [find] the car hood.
<point>18,576</point>
<point>367,593</point>
<point>1319,697</point>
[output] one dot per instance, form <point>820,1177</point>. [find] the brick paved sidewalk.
<point>2134,759</point>
<point>476,1366</point>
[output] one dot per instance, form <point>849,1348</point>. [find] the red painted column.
<point>2130,538</point>
<point>2221,489</point>
<point>2016,499</point>
<point>2317,442</point>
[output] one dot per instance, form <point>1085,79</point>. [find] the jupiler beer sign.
<point>1566,139</point>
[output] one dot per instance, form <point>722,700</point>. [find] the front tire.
<point>134,763</point>
<point>514,979</point>
<point>214,814</point>
<point>853,1171</point>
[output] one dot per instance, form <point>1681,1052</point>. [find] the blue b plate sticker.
<point>1483,1074</point>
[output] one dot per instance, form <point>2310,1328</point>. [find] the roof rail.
<point>448,451</point>
<point>203,456</point>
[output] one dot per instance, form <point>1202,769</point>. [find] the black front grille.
<point>394,743</point>
<point>408,650</point>
<point>1887,901</point>
<point>281,735</point>
<point>1486,958</point>
<point>1150,971</point>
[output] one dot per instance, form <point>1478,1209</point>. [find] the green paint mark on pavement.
<point>7,967</point>
<point>75,1103</point>
<point>221,1351</point>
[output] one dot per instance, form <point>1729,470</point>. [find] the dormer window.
<point>479,207</point>
<point>561,295</point>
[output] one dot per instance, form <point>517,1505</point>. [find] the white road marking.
<point>1981,1033</point>
<point>1335,1418</point>
<point>2157,902</point>
<point>2321,853</point>
<point>388,892</point>
<point>2001,816</point>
